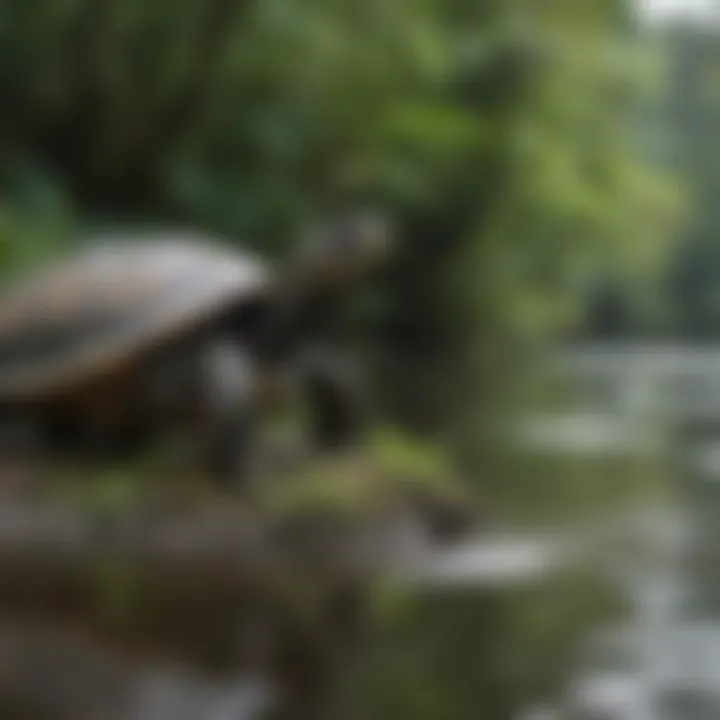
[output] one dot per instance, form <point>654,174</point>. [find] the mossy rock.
<point>389,475</point>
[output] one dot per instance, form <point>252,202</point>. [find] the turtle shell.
<point>86,317</point>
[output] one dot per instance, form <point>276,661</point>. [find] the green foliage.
<point>399,455</point>
<point>392,469</point>
<point>36,220</point>
<point>497,133</point>
<point>471,654</point>
<point>690,112</point>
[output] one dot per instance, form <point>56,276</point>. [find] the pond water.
<point>629,632</point>
<point>610,611</point>
<point>661,661</point>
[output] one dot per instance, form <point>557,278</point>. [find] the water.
<point>663,661</point>
<point>494,628</point>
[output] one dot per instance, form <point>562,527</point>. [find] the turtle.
<point>129,338</point>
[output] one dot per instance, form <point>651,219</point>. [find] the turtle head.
<point>335,255</point>
<point>346,249</point>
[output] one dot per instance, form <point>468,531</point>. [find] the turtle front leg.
<point>338,414</point>
<point>229,392</point>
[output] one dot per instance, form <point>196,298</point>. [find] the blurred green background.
<point>509,139</point>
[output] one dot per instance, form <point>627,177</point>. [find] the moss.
<point>390,471</point>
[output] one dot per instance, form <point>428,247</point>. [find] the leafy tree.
<point>497,133</point>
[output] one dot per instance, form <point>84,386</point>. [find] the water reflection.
<point>662,662</point>
<point>613,617</point>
